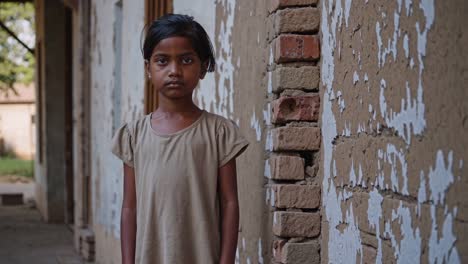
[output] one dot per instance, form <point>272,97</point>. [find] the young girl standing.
<point>180,193</point>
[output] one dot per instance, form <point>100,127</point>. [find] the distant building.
<point>17,128</point>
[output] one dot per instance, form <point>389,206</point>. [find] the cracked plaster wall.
<point>394,126</point>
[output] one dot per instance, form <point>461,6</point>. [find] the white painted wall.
<point>109,73</point>
<point>216,97</point>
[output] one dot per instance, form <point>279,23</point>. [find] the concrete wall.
<point>51,85</point>
<point>394,131</point>
<point>17,132</point>
<point>117,90</point>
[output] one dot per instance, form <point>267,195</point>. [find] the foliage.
<point>17,167</point>
<point>16,62</point>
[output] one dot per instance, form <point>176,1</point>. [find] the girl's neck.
<point>184,105</point>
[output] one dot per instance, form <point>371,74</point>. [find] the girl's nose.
<point>175,69</point>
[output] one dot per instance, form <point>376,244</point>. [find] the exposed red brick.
<point>296,196</point>
<point>278,249</point>
<point>294,20</point>
<point>296,108</point>
<point>304,78</point>
<point>300,253</point>
<point>290,47</point>
<point>286,168</point>
<point>296,138</point>
<point>296,224</point>
<point>276,4</point>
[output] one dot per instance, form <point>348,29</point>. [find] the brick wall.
<point>295,135</point>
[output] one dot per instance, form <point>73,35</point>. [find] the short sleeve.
<point>122,145</point>
<point>230,142</point>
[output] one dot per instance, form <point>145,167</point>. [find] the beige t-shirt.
<point>178,219</point>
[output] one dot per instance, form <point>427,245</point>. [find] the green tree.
<point>16,62</point>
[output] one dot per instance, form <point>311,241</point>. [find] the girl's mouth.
<point>174,84</point>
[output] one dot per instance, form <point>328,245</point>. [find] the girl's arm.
<point>227,186</point>
<point>128,224</point>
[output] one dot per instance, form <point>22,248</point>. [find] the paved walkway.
<point>26,239</point>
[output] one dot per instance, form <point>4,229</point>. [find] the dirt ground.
<point>25,238</point>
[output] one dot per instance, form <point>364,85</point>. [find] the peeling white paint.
<point>255,124</point>
<point>272,198</point>
<point>347,10</point>
<point>267,114</point>
<point>442,249</point>
<point>267,170</point>
<point>271,59</point>
<point>341,101</point>
<point>408,7</point>
<point>406,45</point>
<point>215,96</point>
<point>352,175</point>
<point>360,180</point>
<point>345,245</point>
<point>410,119</point>
<point>422,191</point>
<point>392,155</point>
<point>383,101</point>
<point>392,163</point>
<point>355,77</point>
<point>441,177</point>
<point>270,85</point>
<point>225,68</point>
<point>374,213</point>
<point>260,251</point>
<point>408,249</point>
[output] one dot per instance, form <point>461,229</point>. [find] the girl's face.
<point>174,68</point>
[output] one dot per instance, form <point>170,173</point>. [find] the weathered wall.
<point>238,90</point>
<point>50,168</point>
<point>394,131</point>
<point>117,90</point>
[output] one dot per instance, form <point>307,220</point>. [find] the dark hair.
<point>172,25</point>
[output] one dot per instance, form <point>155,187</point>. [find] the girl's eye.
<point>161,61</point>
<point>187,60</point>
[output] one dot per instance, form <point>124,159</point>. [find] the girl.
<point>180,193</point>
